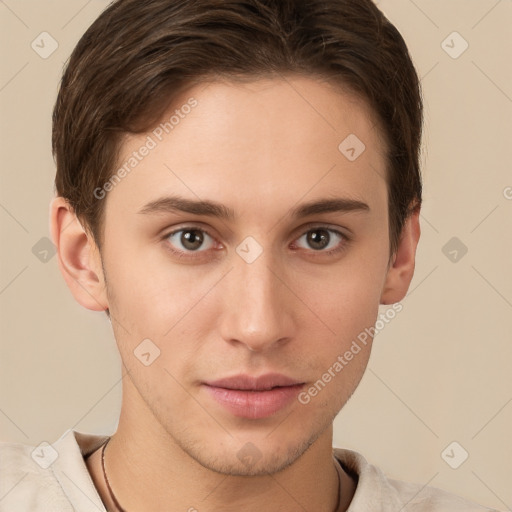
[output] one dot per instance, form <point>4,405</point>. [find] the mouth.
<point>250,397</point>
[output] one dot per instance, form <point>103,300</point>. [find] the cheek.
<point>336,382</point>
<point>162,303</point>
<point>148,291</point>
<point>347,305</point>
<point>346,300</point>
<point>337,361</point>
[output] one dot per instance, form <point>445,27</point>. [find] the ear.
<point>401,270</point>
<point>78,256</point>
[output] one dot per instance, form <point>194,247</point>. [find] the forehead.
<point>276,140</point>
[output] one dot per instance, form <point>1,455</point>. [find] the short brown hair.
<point>137,56</point>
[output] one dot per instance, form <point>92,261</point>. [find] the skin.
<point>260,148</point>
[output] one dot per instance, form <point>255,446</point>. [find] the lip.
<point>254,397</point>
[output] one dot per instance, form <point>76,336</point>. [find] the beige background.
<point>440,371</point>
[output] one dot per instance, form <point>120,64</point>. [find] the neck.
<point>148,471</point>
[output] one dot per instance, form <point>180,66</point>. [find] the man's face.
<point>263,291</point>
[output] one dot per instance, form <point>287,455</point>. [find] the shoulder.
<point>377,492</point>
<point>49,476</point>
<point>25,484</point>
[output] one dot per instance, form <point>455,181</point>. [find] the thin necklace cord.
<point>114,499</point>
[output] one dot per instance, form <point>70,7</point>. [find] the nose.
<point>258,306</point>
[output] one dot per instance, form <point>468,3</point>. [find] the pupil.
<point>318,239</point>
<point>192,239</point>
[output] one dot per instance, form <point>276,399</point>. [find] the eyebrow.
<point>171,204</point>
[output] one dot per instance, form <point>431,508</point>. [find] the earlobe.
<point>78,257</point>
<point>401,270</point>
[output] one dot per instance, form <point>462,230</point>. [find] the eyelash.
<point>198,254</point>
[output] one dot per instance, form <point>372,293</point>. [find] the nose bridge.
<point>256,311</point>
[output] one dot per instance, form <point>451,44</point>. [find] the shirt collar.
<point>71,471</point>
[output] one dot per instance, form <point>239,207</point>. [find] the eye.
<point>323,239</point>
<point>190,240</point>
<point>194,241</point>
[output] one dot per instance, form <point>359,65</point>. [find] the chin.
<point>245,458</point>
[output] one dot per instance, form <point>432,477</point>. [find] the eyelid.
<point>302,230</point>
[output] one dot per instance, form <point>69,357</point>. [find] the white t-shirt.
<point>54,478</point>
